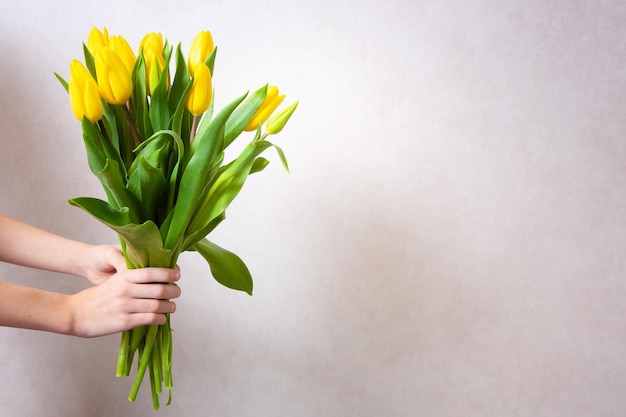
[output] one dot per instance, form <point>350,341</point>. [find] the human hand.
<point>127,299</point>
<point>101,262</point>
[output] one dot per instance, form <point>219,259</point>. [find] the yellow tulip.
<point>84,94</point>
<point>151,47</point>
<point>114,80</point>
<point>201,48</point>
<point>271,102</point>
<point>201,91</point>
<point>276,123</point>
<point>97,40</point>
<point>120,46</point>
<point>151,42</point>
<point>154,68</point>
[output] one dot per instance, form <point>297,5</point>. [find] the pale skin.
<point>120,299</point>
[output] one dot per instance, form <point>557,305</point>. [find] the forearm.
<point>36,309</point>
<point>25,245</point>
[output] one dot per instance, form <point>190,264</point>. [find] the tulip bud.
<point>201,48</point>
<point>114,80</point>
<point>276,123</point>
<point>201,91</point>
<point>151,42</point>
<point>154,68</point>
<point>84,95</point>
<point>151,47</point>
<point>271,102</point>
<point>120,46</point>
<point>97,40</point>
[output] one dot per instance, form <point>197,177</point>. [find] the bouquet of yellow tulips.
<point>158,149</point>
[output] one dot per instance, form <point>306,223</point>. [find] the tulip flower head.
<point>271,102</point>
<point>151,43</point>
<point>201,48</point>
<point>201,91</point>
<point>276,123</point>
<point>120,46</point>
<point>85,97</point>
<point>151,47</point>
<point>114,80</point>
<point>97,40</point>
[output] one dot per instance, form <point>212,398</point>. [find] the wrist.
<point>78,259</point>
<point>71,316</point>
<point>67,316</point>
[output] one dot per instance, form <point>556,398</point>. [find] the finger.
<point>149,275</point>
<point>154,291</point>
<point>144,319</point>
<point>114,257</point>
<point>150,306</point>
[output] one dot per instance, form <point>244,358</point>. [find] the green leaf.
<point>138,103</point>
<point>112,147</point>
<point>159,106</point>
<point>227,268</point>
<point>63,82</point>
<point>282,157</point>
<point>206,118</point>
<point>210,61</point>
<point>204,150</point>
<point>178,116</point>
<point>149,184</point>
<point>226,187</point>
<point>259,165</point>
<point>242,115</point>
<point>142,242</point>
<point>123,137</point>
<point>114,181</point>
<point>90,62</point>
<point>103,211</point>
<point>193,238</point>
<point>180,81</point>
<point>92,137</point>
<point>144,247</point>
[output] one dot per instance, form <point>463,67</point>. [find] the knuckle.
<point>150,306</point>
<point>159,291</point>
<point>157,318</point>
<point>143,275</point>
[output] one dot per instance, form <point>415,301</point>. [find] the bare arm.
<point>127,300</point>
<point>25,245</point>
<point>122,299</point>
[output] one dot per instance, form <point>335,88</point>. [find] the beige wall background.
<point>450,240</point>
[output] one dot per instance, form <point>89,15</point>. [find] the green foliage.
<point>163,179</point>
<point>168,185</point>
<point>227,268</point>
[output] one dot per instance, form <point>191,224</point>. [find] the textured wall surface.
<point>450,240</point>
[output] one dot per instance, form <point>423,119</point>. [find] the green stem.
<point>136,340</point>
<point>194,128</point>
<point>123,354</point>
<point>131,125</point>
<point>156,363</point>
<point>153,390</point>
<point>144,361</point>
<point>166,354</point>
